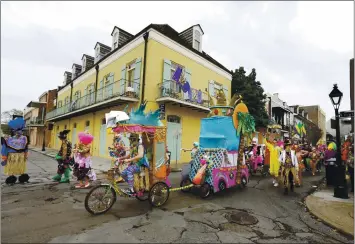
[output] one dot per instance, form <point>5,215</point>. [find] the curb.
<point>349,235</point>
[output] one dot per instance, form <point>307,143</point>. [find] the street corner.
<point>335,212</point>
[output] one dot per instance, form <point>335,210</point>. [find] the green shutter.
<point>211,88</point>
<point>123,80</point>
<point>137,75</point>
<point>166,77</point>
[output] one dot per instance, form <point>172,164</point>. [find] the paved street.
<point>42,212</point>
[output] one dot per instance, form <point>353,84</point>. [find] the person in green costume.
<point>64,158</point>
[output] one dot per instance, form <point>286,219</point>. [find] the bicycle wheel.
<point>100,199</point>
<point>159,194</point>
<point>185,182</point>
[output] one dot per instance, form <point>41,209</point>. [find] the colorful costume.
<point>289,163</point>
<point>64,158</point>
<point>350,164</point>
<point>117,153</point>
<point>256,159</point>
<point>274,158</point>
<point>14,152</point>
<point>330,159</point>
<point>134,167</point>
<point>299,154</point>
<point>314,157</point>
<point>83,163</point>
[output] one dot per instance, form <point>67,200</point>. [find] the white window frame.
<point>115,40</point>
<point>97,54</point>
<point>131,69</point>
<point>84,64</point>
<point>197,37</point>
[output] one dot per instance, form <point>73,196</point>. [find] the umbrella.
<point>113,117</point>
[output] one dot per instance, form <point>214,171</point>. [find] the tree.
<point>6,116</point>
<point>252,93</point>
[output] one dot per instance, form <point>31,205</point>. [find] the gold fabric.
<point>16,164</point>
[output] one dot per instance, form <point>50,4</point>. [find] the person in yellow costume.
<point>274,159</point>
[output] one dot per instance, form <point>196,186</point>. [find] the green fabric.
<point>66,177</point>
<point>57,157</point>
<point>57,177</point>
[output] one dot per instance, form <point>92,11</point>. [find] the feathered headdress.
<point>63,134</point>
<point>85,138</point>
<point>17,124</point>
<point>332,146</point>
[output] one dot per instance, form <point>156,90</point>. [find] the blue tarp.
<point>219,132</point>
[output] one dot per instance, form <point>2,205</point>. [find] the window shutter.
<point>137,75</point>
<point>225,90</point>
<point>85,95</point>
<point>166,76</point>
<point>123,80</point>
<point>211,88</point>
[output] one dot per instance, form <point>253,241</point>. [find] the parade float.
<point>219,162</point>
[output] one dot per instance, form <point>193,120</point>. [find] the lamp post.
<point>340,189</point>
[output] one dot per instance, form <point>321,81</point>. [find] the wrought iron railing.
<point>34,121</point>
<point>120,88</point>
<point>172,89</point>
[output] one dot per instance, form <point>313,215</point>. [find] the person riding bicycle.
<point>137,159</point>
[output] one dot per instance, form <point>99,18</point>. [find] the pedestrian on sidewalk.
<point>83,163</point>
<point>63,158</point>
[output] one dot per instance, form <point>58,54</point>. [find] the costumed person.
<point>321,150</point>
<point>83,164</point>
<point>300,154</point>
<point>14,152</point>
<point>137,159</point>
<point>63,158</point>
<point>274,162</point>
<point>289,163</point>
<point>350,164</point>
<point>194,149</point>
<point>314,157</point>
<point>119,152</point>
<point>256,158</point>
<point>329,163</point>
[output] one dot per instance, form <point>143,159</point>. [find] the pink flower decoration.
<point>85,138</point>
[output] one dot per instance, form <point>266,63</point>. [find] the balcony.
<point>34,122</point>
<point>116,93</point>
<point>170,91</point>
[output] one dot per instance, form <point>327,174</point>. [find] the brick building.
<point>317,116</point>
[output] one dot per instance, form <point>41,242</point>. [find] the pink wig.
<point>280,143</point>
<point>85,138</point>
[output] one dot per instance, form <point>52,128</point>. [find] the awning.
<point>34,104</point>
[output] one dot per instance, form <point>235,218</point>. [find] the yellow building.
<point>137,68</point>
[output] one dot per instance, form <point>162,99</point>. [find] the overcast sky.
<point>299,49</point>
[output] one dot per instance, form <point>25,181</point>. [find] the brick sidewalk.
<point>336,212</point>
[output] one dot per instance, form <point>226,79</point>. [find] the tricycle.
<point>149,178</point>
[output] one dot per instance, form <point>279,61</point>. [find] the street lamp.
<point>340,189</point>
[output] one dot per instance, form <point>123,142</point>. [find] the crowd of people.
<point>286,161</point>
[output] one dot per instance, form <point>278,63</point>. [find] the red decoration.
<point>216,111</point>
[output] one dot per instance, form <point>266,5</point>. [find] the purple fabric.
<point>190,94</point>
<point>199,97</point>
<point>186,87</point>
<point>329,154</point>
<point>17,143</point>
<point>177,74</point>
<point>128,174</point>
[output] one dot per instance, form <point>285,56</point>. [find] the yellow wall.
<point>200,75</point>
<point>190,119</point>
<point>62,96</point>
<point>84,84</point>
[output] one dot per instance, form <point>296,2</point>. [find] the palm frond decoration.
<point>246,124</point>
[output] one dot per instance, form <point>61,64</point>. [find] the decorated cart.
<point>149,181</point>
<point>219,162</point>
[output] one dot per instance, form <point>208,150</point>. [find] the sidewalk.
<point>337,213</point>
<point>99,163</point>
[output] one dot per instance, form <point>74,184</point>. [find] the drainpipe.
<point>145,36</point>
<point>96,80</point>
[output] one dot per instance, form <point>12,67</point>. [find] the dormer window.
<point>84,65</point>
<point>197,40</point>
<point>115,40</point>
<point>97,54</point>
